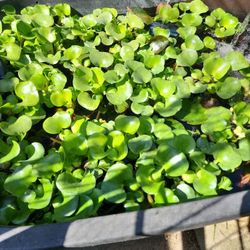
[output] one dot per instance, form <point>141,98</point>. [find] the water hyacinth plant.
<point>106,113</point>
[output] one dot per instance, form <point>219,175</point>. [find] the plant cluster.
<point>104,113</point>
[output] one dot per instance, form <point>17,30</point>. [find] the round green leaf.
<point>205,182</point>
<point>120,94</point>
<point>88,102</point>
<point>164,87</point>
<point>216,67</point>
<point>197,6</point>
<point>171,106</point>
<point>127,124</point>
<point>172,160</point>
<point>237,60</point>
<point>191,19</point>
<point>140,144</point>
<point>81,79</point>
<point>28,93</point>
<point>20,126</point>
<point>187,57</point>
<point>228,88</point>
<point>101,59</point>
<point>194,42</point>
<point>54,124</point>
<point>226,156</point>
<point>141,75</point>
<point>70,185</point>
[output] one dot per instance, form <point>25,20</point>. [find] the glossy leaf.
<point>18,182</point>
<point>187,57</point>
<point>141,75</point>
<point>228,88</point>
<point>127,124</point>
<point>237,60</point>
<point>171,106</point>
<point>140,144</point>
<point>17,127</point>
<point>101,59</point>
<point>54,124</point>
<point>226,156</point>
<point>89,102</point>
<point>205,183</point>
<point>70,185</point>
<point>172,160</point>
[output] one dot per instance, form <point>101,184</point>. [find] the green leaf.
<point>62,9</point>
<point>156,63</point>
<point>141,75</point>
<point>118,149</point>
<point>35,151</point>
<point>18,182</point>
<point>61,98</point>
<point>71,186</point>
<point>96,144</point>
<point>217,120</point>
<point>127,124</point>
<point>205,183</point>
<point>48,165</point>
<point>13,51</point>
<point>140,144</point>
<point>197,6</point>
<point>225,183</point>
<point>43,200</point>
<point>172,160</point>
<point>186,31</point>
<point>166,196</point>
<point>73,52</point>
<point>104,17</point>
<point>244,148</point>
<point>121,93</point>
<point>185,192</point>
<point>169,14</point>
<point>43,20</point>
<point>165,88</point>
<point>209,42</point>
<point>226,156</point>
<point>88,102</point>
<point>138,108</point>
<point>8,84</point>
<point>171,106</point>
<point>54,124</point>
<point>116,177</point>
<point>28,93</point>
<point>117,31</point>
<point>187,57</point>
<point>194,42</point>
<point>127,53</point>
<point>229,21</point>
<point>134,21</point>
<point>147,183</point>
<point>191,19</point>
<point>237,60</point>
<point>17,127</point>
<point>185,143</point>
<point>64,207</point>
<point>101,59</point>
<point>163,131</point>
<point>7,210</point>
<point>81,78</point>
<point>216,67</point>
<point>228,88</point>
<point>11,153</point>
<point>75,144</point>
